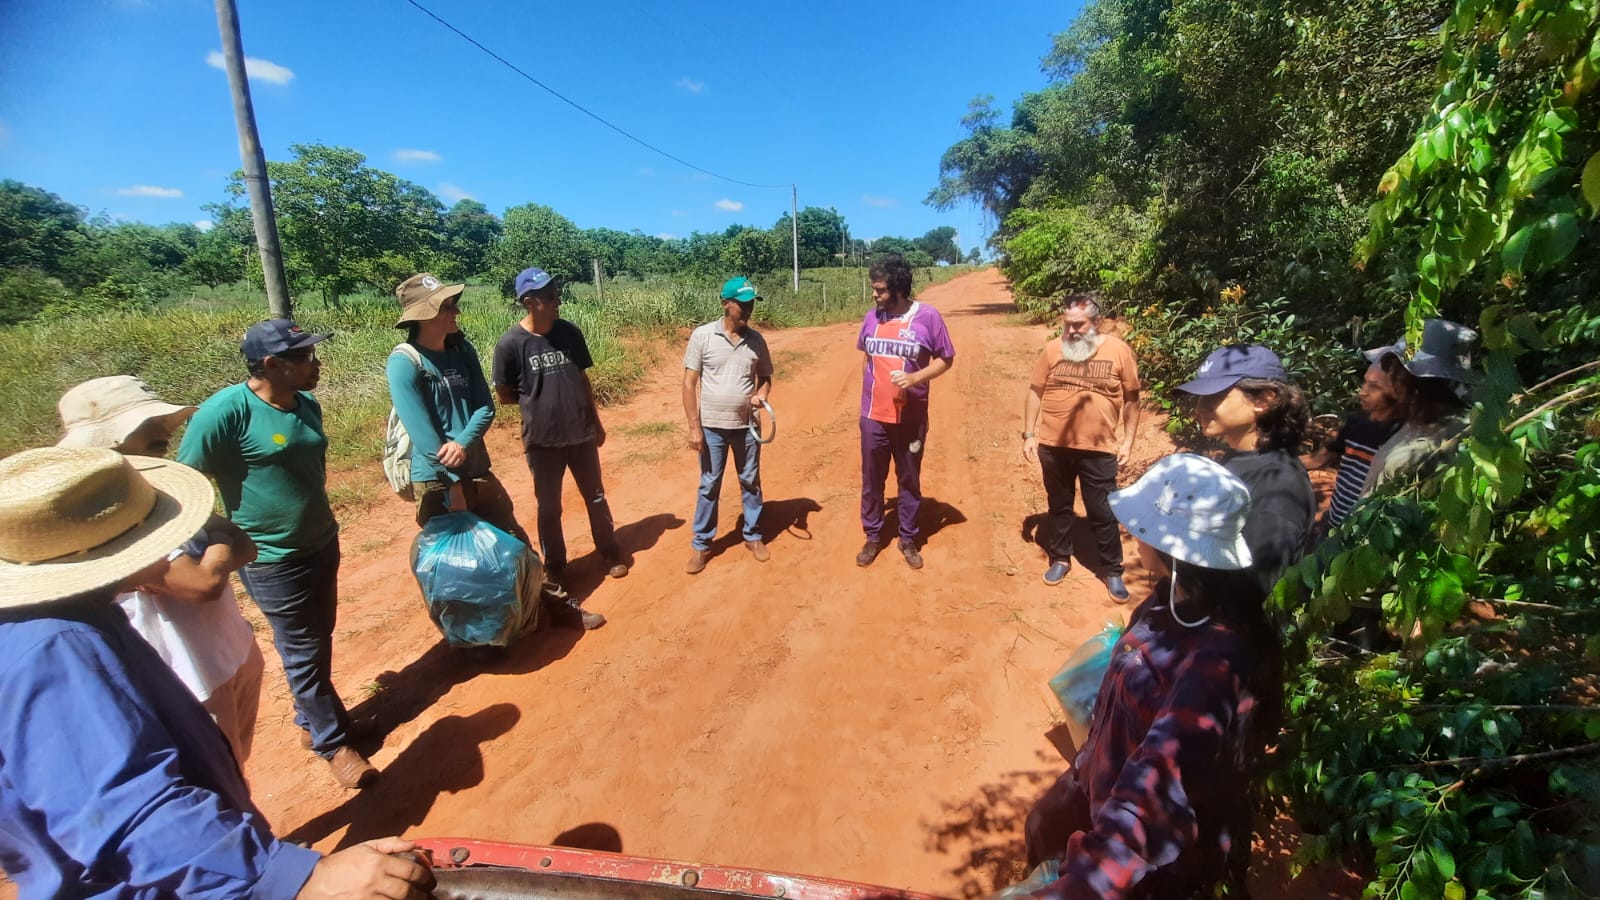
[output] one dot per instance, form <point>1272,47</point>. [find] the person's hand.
<point>456,500</point>
<point>901,378</point>
<point>452,454</point>
<point>1030,449</point>
<point>368,870</point>
<point>756,400</point>
<point>697,438</point>
<point>599,435</point>
<point>1124,453</point>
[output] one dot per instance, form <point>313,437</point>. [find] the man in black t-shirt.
<point>540,363</point>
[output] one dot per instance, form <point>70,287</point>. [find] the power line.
<point>580,108</point>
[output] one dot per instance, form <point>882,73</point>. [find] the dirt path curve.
<point>882,725</point>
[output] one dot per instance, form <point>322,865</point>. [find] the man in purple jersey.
<point>906,346</point>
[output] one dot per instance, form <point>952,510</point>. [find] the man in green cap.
<point>727,376</point>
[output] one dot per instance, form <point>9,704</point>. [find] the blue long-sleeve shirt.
<point>446,400</point>
<point>114,782</point>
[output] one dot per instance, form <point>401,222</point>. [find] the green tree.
<point>823,235</point>
<point>468,238</point>
<point>752,252</point>
<point>535,235</point>
<point>37,228</point>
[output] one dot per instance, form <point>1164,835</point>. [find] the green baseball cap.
<point>740,289</point>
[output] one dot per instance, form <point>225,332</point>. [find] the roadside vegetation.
<point>1320,178</point>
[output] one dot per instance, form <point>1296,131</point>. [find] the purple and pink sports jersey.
<point>907,342</point>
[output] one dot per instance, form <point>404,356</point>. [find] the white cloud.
<point>679,213</point>
<point>690,85</point>
<point>204,224</point>
<point>149,190</point>
<point>407,155</point>
<point>257,69</point>
<point>453,193</point>
<point>727,205</point>
<point>646,171</point>
<point>667,236</point>
<point>871,200</point>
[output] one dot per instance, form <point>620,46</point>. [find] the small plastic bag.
<point>1042,875</point>
<point>481,585</point>
<point>1077,684</point>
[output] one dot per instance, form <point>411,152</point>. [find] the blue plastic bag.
<point>1078,683</point>
<point>1042,876</point>
<point>481,585</point>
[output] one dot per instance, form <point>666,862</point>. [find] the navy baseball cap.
<point>532,279</point>
<point>1223,368</point>
<point>275,337</point>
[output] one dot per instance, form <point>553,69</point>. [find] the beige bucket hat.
<point>103,412</point>
<point>421,296</point>
<point>73,520</point>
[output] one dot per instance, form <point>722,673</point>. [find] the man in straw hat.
<point>727,375</point>
<point>1156,803</point>
<point>190,617</point>
<point>262,440</point>
<point>116,781</point>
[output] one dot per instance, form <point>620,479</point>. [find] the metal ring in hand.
<point>772,424</point>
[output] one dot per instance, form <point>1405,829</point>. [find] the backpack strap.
<point>405,349</point>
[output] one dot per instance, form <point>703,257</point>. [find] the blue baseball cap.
<point>275,337</point>
<point>532,279</point>
<point>740,290</point>
<point>1223,368</point>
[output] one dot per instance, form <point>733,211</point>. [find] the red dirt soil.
<point>881,725</point>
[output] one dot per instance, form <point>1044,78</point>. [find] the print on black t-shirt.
<point>552,389</point>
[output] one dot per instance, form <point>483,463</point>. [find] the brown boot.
<point>351,769</point>
<point>758,549</point>
<point>697,562</point>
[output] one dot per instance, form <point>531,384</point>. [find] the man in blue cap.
<point>541,363</point>
<point>263,442</point>
<point>727,374</point>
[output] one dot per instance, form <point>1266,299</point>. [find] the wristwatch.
<point>1028,434</point>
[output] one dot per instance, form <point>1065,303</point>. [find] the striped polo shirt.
<point>1356,444</point>
<point>729,371</point>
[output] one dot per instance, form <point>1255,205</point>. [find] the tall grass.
<point>188,348</point>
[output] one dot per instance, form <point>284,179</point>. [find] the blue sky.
<point>112,103</point>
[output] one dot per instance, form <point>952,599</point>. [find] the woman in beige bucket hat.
<point>116,780</point>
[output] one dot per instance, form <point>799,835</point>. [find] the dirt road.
<point>882,725</point>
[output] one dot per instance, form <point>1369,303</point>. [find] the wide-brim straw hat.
<point>103,412</point>
<point>75,520</point>
<point>1190,508</point>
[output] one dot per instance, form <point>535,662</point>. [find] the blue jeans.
<point>713,461</point>
<point>299,597</point>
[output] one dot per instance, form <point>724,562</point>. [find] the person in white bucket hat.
<point>1157,802</point>
<point>190,616</point>
<point>117,783</point>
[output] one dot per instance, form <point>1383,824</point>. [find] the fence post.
<point>599,292</point>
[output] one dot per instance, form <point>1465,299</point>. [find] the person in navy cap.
<point>542,363</point>
<point>1430,380</point>
<point>1244,399</point>
<point>263,442</point>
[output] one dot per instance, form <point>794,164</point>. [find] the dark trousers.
<point>1064,469</point>
<point>299,598</point>
<point>903,443</point>
<point>549,466</point>
<point>486,498</point>
<point>1055,817</point>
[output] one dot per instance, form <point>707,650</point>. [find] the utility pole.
<point>254,163</point>
<point>794,223</point>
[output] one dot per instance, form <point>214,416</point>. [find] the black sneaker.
<point>908,549</point>
<point>567,613</point>
<point>869,552</point>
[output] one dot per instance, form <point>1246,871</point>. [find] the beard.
<point>1080,349</point>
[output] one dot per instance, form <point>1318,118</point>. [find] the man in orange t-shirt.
<point>1079,419</point>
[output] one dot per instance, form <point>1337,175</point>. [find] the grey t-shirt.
<point>552,390</point>
<point>729,370</point>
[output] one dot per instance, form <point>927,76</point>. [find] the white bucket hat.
<point>103,412</point>
<point>73,520</point>
<point>1191,508</point>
